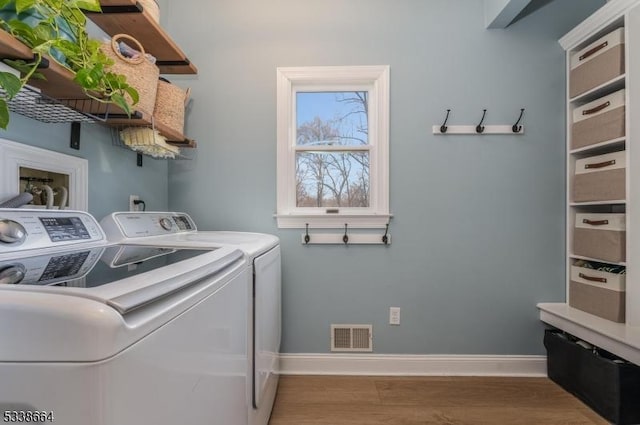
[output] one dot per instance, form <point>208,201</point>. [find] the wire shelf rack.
<point>31,103</point>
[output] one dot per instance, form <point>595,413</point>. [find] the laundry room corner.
<point>474,218</point>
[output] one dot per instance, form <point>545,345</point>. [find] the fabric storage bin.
<point>599,62</point>
<point>600,178</point>
<point>607,384</point>
<point>599,292</point>
<point>600,236</point>
<point>599,121</point>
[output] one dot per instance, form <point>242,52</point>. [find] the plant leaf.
<point>22,5</point>
<point>4,3</point>
<point>90,5</point>
<point>119,100</point>
<point>10,83</point>
<point>87,79</point>
<point>4,114</point>
<point>18,64</point>
<point>133,93</point>
<point>22,31</point>
<point>37,76</point>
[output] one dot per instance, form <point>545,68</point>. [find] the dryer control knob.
<point>166,224</point>
<point>12,232</point>
<point>12,275</point>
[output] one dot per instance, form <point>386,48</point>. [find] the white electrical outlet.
<point>132,206</point>
<point>394,315</point>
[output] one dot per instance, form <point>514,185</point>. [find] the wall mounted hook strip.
<point>516,128</point>
<point>443,127</point>
<point>372,237</point>
<point>480,127</point>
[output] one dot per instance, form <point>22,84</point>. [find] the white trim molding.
<point>602,18</point>
<point>14,155</point>
<point>413,365</point>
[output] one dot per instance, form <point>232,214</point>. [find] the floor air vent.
<point>351,338</point>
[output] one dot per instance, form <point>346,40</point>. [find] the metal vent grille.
<point>351,337</point>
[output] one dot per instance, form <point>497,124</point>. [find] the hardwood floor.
<point>348,400</point>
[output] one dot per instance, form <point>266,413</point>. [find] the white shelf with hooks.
<point>471,130</point>
<point>338,239</point>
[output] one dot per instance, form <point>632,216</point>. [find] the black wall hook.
<point>517,128</point>
<point>385,238</point>
<point>480,127</point>
<point>307,238</point>
<point>443,127</point>
<point>345,238</point>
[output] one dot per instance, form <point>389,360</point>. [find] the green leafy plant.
<point>57,28</point>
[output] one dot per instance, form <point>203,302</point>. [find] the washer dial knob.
<point>12,232</point>
<point>165,223</point>
<point>12,275</point>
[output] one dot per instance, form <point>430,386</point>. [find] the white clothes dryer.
<point>262,253</point>
<point>110,334</point>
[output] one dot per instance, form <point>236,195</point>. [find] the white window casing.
<point>375,81</point>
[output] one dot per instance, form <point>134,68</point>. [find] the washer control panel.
<point>138,224</point>
<point>23,229</point>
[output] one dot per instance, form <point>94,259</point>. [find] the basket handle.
<point>116,50</point>
<point>187,96</point>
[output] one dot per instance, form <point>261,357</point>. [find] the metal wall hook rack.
<point>346,237</point>
<point>480,128</point>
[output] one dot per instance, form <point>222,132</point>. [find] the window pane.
<point>332,118</point>
<point>332,179</point>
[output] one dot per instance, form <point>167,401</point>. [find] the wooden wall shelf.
<point>129,17</point>
<point>59,85</point>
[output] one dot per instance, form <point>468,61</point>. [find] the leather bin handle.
<point>595,222</point>
<point>593,51</point>
<point>600,164</point>
<point>592,278</point>
<point>597,108</point>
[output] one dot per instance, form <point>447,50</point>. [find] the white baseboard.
<point>413,365</point>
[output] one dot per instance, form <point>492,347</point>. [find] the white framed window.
<point>333,146</point>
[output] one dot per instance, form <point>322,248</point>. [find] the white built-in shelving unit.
<point>622,339</point>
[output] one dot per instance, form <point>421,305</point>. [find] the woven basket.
<point>152,8</point>
<point>170,105</point>
<point>141,74</point>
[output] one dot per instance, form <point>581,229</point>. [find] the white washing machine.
<point>262,254</point>
<point>111,334</point>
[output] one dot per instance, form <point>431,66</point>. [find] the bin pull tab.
<point>595,222</point>
<point>593,51</point>
<point>597,108</point>
<point>593,279</point>
<point>600,164</point>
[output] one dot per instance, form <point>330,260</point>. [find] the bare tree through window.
<point>332,168</point>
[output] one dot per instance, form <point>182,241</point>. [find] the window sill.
<point>337,221</point>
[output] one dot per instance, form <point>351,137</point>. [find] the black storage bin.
<point>609,386</point>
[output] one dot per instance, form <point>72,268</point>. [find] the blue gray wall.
<point>113,174</point>
<point>478,227</point>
